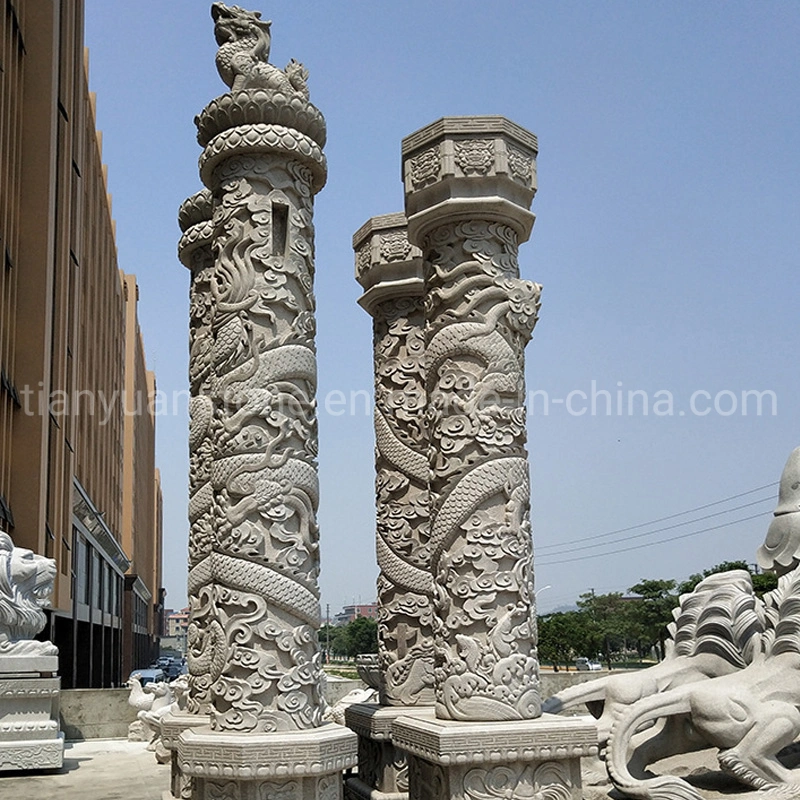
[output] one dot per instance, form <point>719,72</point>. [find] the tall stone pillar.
<point>253,578</point>
<point>390,271</point>
<point>195,251</point>
<point>469,184</point>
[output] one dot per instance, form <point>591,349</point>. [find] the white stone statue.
<point>29,684</point>
<point>242,59</point>
<point>335,713</point>
<point>733,683</point>
<point>26,582</point>
<point>717,631</point>
<point>153,702</point>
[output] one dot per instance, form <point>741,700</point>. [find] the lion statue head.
<point>26,582</point>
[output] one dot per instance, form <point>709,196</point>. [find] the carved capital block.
<point>194,220</point>
<point>530,760</point>
<point>388,266</point>
<point>462,168</point>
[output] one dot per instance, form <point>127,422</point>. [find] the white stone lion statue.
<point>26,581</point>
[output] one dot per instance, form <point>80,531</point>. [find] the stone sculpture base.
<point>172,726</point>
<point>301,765</point>
<point>29,702</point>
<point>382,768</point>
<point>528,760</point>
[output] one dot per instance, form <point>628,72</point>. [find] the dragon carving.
<point>252,639</point>
<point>243,56</point>
<point>405,586</point>
<point>480,316</point>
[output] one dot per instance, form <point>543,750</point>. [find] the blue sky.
<point>667,241</point>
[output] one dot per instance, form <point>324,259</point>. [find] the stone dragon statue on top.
<point>242,59</point>
<point>732,681</point>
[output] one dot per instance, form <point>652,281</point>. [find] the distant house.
<point>176,622</point>
<point>349,613</point>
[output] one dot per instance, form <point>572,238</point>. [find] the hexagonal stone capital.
<point>387,264</point>
<point>463,168</point>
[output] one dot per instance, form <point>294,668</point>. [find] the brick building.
<point>77,473</point>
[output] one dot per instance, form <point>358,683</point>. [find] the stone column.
<point>469,184</point>
<point>390,271</point>
<point>195,251</point>
<point>254,579</point>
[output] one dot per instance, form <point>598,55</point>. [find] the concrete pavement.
<point>97,769</point>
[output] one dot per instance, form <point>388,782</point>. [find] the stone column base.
<point>295,765</point>
<point>172,726</point>
<point>29,734</point>
<point>532,759</point>
<point>382,768</point>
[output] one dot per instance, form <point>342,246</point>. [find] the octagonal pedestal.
<point>293,765</point>
<point>527,760</point>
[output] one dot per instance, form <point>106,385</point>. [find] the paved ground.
<point>99,769</point>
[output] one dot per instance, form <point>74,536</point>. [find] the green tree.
<point>362,636</point>
<point>561,636</point>
<point>605,621</point>
<point>651,612</point>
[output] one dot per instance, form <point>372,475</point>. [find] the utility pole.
<point>327,633</point>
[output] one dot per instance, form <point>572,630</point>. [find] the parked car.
<point>584,664</point>
<point>149,675</point>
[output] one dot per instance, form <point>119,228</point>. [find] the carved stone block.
<point>29,729</point>
<point>530,760</point>
<point>301,765</point>
<point>443,161</point>
<point>382,767</point>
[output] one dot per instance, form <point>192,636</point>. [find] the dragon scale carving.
<point>258,604</point>
<point>405,643</point>
<point>480,316</point>
<point>195,252</point>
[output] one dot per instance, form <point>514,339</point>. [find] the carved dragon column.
<point>469,184</point>
<point>195,251</point>
<point>390,271</point>
<point>253,578</point>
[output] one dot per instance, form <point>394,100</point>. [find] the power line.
<point>660,519</point>
<point>661,530</point>
<point>649,544</point>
